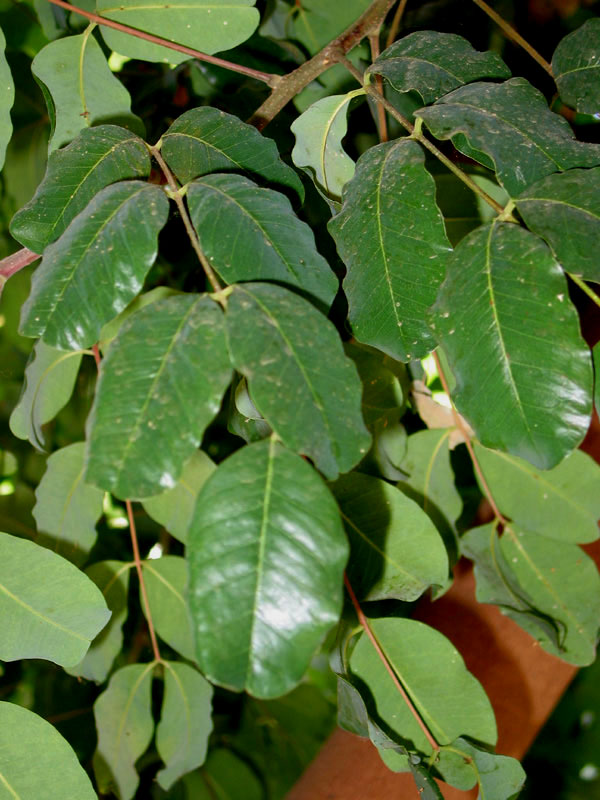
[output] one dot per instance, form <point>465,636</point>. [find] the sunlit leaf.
<point>165,579</point>
<point>7,97</point>
<point>576,68</point>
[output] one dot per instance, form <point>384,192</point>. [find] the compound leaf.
<point>165,579</point>
<point>7,98</point>
<point>576,68</point>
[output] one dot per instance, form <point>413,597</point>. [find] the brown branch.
<point>381,118</point>
<point>395,26</point>
<point>14,263</point>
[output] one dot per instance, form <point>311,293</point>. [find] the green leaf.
<point>50,377</point>
<point>174,508</point>
<point>166,580</point>
<point>233,217</point>
<point>206,25</point>
<point>114,237</point>
<point>299,378</point>
<point>160,386</point>
<point>112,578</point>
<point>315,23</point>
<point>224,777</point>
<point>512,339</point>
<point>205,140</point>
<point>49,608</point>
<point>396,552</point>
<point>564,210</point>
<point>394,248</point>
<point>499,777</point>
<point>448,698</point>
<point>576,65</point>
<point>185,722</point>
<point>434,63</point>
<point>95,159</point>
<point>596,354</point>
<point>67,509</point>
<point>562,503</point>
<point>7,98</point>
<point>319,132</point>
<point>383,397</point>
<point>266,554</point>
<point>125,726</point>
<point>512,124</point>
<point>35,759</point>
<point>112,328</point>
<point>80,88</point>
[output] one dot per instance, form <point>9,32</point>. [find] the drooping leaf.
<point>564,209</point>
<point>80,88</point>
<point>315,24</point>
<point>562,503</point>
<point>166,580</point>
<point>435,63</point>
<point>205,140</point>
<point>50,377</point>
<point>49,609</point>
<point>35,759</point>
<point>499,777</point>
<point>174,508</point>
<point>396,552</point>
<point>96,267</point>
<point>234,217</point>
<point>96,158</point>
<point>513,126</point>
<point>160,386</point>
<point>125,726</point>
<point>511,336</point>
<point>185,722</point>
<point>206,25</point>
<point>576,68</point>
<point>299,378</point>
<point>394,248</point>
<point>266,552</point>
<point>7,98</point>
<point>67,509</point>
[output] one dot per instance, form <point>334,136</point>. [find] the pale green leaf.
<point>160,385</point>
<point>299,378</point>
<point>185,722</point>
<point>576,68</point>
<point>124,722</point>
<point>114,237</point>
<point>463,765</point>
<point>7,97</point>
<point>512,340</point>
<point>166,580</point>
<point>266,554</point>
<point>49,608</point>
<point>35,759</point>
<point>394,247</point>
<point>315,23</point>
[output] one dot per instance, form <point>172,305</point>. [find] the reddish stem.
<point>14,263</point>
<point>138,567</point>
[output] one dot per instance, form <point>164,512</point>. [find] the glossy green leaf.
<point>449,699</point>
<point>435,63</point>
<point>206,25</point>
<point>234,217</point>
<point>266,554</point>
<point>396,552</point>
<point>96,158</point>
<point>512,124</point>
<point>125,726</point>
<point>7,97</point>
<point>174,508</point>
<point>562,503</point>
<point>112,328</point>
<point>499,777</point>
<point>185,722</point>
<point>512,339</point>
<point>50,377</point>
<point>564,210</point>
<point>49,608</point>
<point>315,23</point>
<point>576,68</point>
<point>67,509</point>
<point>319,132</point>
<point>160,386</point>
<point>80,88</point>
<point>299,378</point>
<point>165,580</point>
<point>35,759</point>
<point>205,140</point>
<point>394,247</point>
<point>96,267</point>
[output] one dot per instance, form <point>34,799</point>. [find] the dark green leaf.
<point>96,267</point>
<point>435,63</point>
<point>299,378</point>
<point>394,248</point>
<point>7,95</point>
<point>165,580</point>
<point>112,328</point>
<point>382,379</point>
<point>160,386</point>
<point>512,339</point>
<point>266,551</point>
<point>576,68</point>
<point>95,159</point>
<point>499,777</point>
<point>426,786</point>
<point>223,777</point>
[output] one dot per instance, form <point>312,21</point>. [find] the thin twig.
<point>395,26</point>
<point>266,77</point>
<point>140,573</point>
<point>367,628</point>
<point>15,262</point>
<point>585,288</point>
<point>381,118</point>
